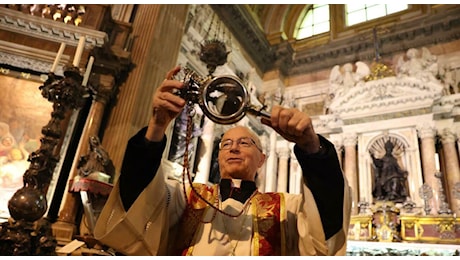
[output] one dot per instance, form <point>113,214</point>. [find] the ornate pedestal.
<point>431,229</point>
<point>361,228</point>
<point>387,231</point>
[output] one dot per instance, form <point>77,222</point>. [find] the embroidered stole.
<point>269,234</point>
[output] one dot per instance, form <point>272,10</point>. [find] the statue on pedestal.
<point>390,179</point>
<point>96,161</point>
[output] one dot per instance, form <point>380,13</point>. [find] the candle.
<point>58,57</point>
<point>79,51</point>
<point>436,161</point>
<point>88,71</point>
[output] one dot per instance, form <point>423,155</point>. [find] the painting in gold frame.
<point>23,113</point>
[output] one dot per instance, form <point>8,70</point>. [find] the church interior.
<point>78,80</point>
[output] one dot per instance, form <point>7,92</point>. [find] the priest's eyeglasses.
<point>227,144</point>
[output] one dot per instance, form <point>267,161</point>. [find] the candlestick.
<point>436,161</point>
<point>58,57</point>
<point>79,51</point>
<point>88,71</point>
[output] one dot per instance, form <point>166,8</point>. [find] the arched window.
<point>315,21</point>
<point>358,13</point>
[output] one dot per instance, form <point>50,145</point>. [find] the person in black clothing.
<point>149,213</point>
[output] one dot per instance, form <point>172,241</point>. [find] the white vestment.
<point>148,227</point>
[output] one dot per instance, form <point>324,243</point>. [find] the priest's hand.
<point>294,126</point>
<point>165,107</point>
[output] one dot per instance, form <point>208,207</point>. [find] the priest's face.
<point>240,154</point>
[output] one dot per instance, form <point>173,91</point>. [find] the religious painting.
<point>23,113</point>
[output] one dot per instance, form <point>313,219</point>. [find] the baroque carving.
<point>28,63</point>
<point>414,86</point>
<point>12,20</point>
<point>440,28</point>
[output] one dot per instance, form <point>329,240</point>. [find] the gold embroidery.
<point>255,225</point>
<point>282,226</point>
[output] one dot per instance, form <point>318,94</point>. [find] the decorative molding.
<point>27,58</point>
<point>239,21</point>
<point>392,94</point>
<point>438,28</point>
<point>39,60</point>
<point>447,136</point>
<point>18,22</point>
<point>350,139</point>
<point>426,130</point>
<point>412,90</point>
<point>28,63</point>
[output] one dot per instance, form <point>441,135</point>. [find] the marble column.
<point>427,134</point>
<point>205,152</point>
<point>159,30</point>
<point>457,132</point>
<point>262,173</point>
<point>272,163</point>
<point>350,169</point>
<point>415,179</point>
<point>452,169</point>
<point>283,168</point>
<point>458,145</point>
<point>337,140</point>
<point>295,174</point>
<point>338,150</point>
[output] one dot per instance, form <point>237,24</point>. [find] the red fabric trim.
<point>268,219</point>
<point>93,186</point>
